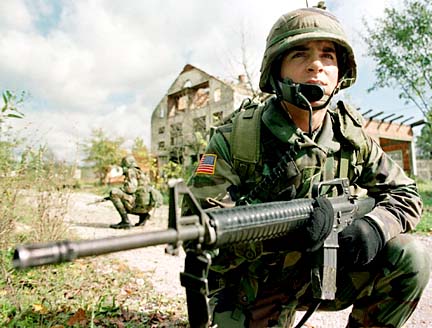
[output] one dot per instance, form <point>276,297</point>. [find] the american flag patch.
<point>207,164</point>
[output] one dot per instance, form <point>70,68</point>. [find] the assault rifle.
<point>205,230</point>
<point>100,200</point>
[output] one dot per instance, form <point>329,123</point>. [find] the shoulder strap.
<point>344,164</point>
<point>350,125</point>
<point>245,139</point>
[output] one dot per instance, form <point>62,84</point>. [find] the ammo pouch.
<point>143,199</point>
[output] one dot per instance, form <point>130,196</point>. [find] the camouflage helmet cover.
<point>303,25</point>
<point>128,162</point>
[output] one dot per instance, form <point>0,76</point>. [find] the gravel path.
<point>92,221</point>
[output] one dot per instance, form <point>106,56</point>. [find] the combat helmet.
<point>128,162</point>
<point>300,26</point>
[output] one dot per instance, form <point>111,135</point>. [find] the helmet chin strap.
<point>301,95</point>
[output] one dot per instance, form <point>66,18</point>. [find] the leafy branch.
<point>10,106</point>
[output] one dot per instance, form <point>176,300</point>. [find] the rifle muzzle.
<point>40,254</point>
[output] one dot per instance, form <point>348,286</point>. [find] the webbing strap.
<point>328,173</point>
<point>344,164</point>
<point>245,140</point>
<point>329,168</point>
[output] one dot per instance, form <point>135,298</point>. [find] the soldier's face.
<point>312,62</point>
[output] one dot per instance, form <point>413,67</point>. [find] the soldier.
<point>134,197</point>
<point>382,271</point>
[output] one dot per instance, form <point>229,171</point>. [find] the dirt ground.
<point>92,221</point>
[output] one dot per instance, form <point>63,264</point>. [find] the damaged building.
<point>195,101</point>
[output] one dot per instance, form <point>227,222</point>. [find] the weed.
<point>8,201</point>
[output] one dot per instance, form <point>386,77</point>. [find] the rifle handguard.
<point>258,222</point>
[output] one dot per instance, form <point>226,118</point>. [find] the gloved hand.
<point>359,243</point>
<point>320,224</point>
<point>311,237</point>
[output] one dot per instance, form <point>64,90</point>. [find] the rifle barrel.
<point>63,251</point>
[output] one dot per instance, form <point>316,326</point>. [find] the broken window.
<point>162,130</point>
<point>200,97</point>
<point>171,109</point>
<point>161,145</point>
<point>182,103</point>
<point>199,124</point>
<point>189,97</point>
<point>187,84</point>
<point>176,133</point>
<point>177,102</point>
<point>217,118</point>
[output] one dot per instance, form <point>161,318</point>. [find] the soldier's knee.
<point>409,255</point>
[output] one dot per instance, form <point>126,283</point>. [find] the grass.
<point>94,292</point>
<point>425,224</point>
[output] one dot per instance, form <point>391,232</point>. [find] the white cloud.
<point>15,15</point>
<point>63,131</point>
<point>95,63</point>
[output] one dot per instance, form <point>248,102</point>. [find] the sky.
<point>89,64</point>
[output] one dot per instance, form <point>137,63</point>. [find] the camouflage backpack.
<point>156,198</point>
<point>246,151</point>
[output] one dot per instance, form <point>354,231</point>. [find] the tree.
<point>141,154</point>
<point>242,58</point>
<point>400,44</point>
<point>103,152</point>
<point>424,143</point>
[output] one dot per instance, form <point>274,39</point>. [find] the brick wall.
<point>391,146</point>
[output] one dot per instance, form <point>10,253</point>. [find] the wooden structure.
<point>395,135</point>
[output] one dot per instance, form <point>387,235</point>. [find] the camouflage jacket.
<point>341,148</point>
<point>135,180</point>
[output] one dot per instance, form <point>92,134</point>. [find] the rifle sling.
<point>286,165</point>
<point>308,313</point>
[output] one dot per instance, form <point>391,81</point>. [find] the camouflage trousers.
<point>384,294</point>
<point>123,202</point>
<point>130,203</point>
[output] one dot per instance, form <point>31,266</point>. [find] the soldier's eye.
<point>298,55</point>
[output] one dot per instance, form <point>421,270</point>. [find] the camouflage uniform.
<point>135,195</point>
<point>263,284</point>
